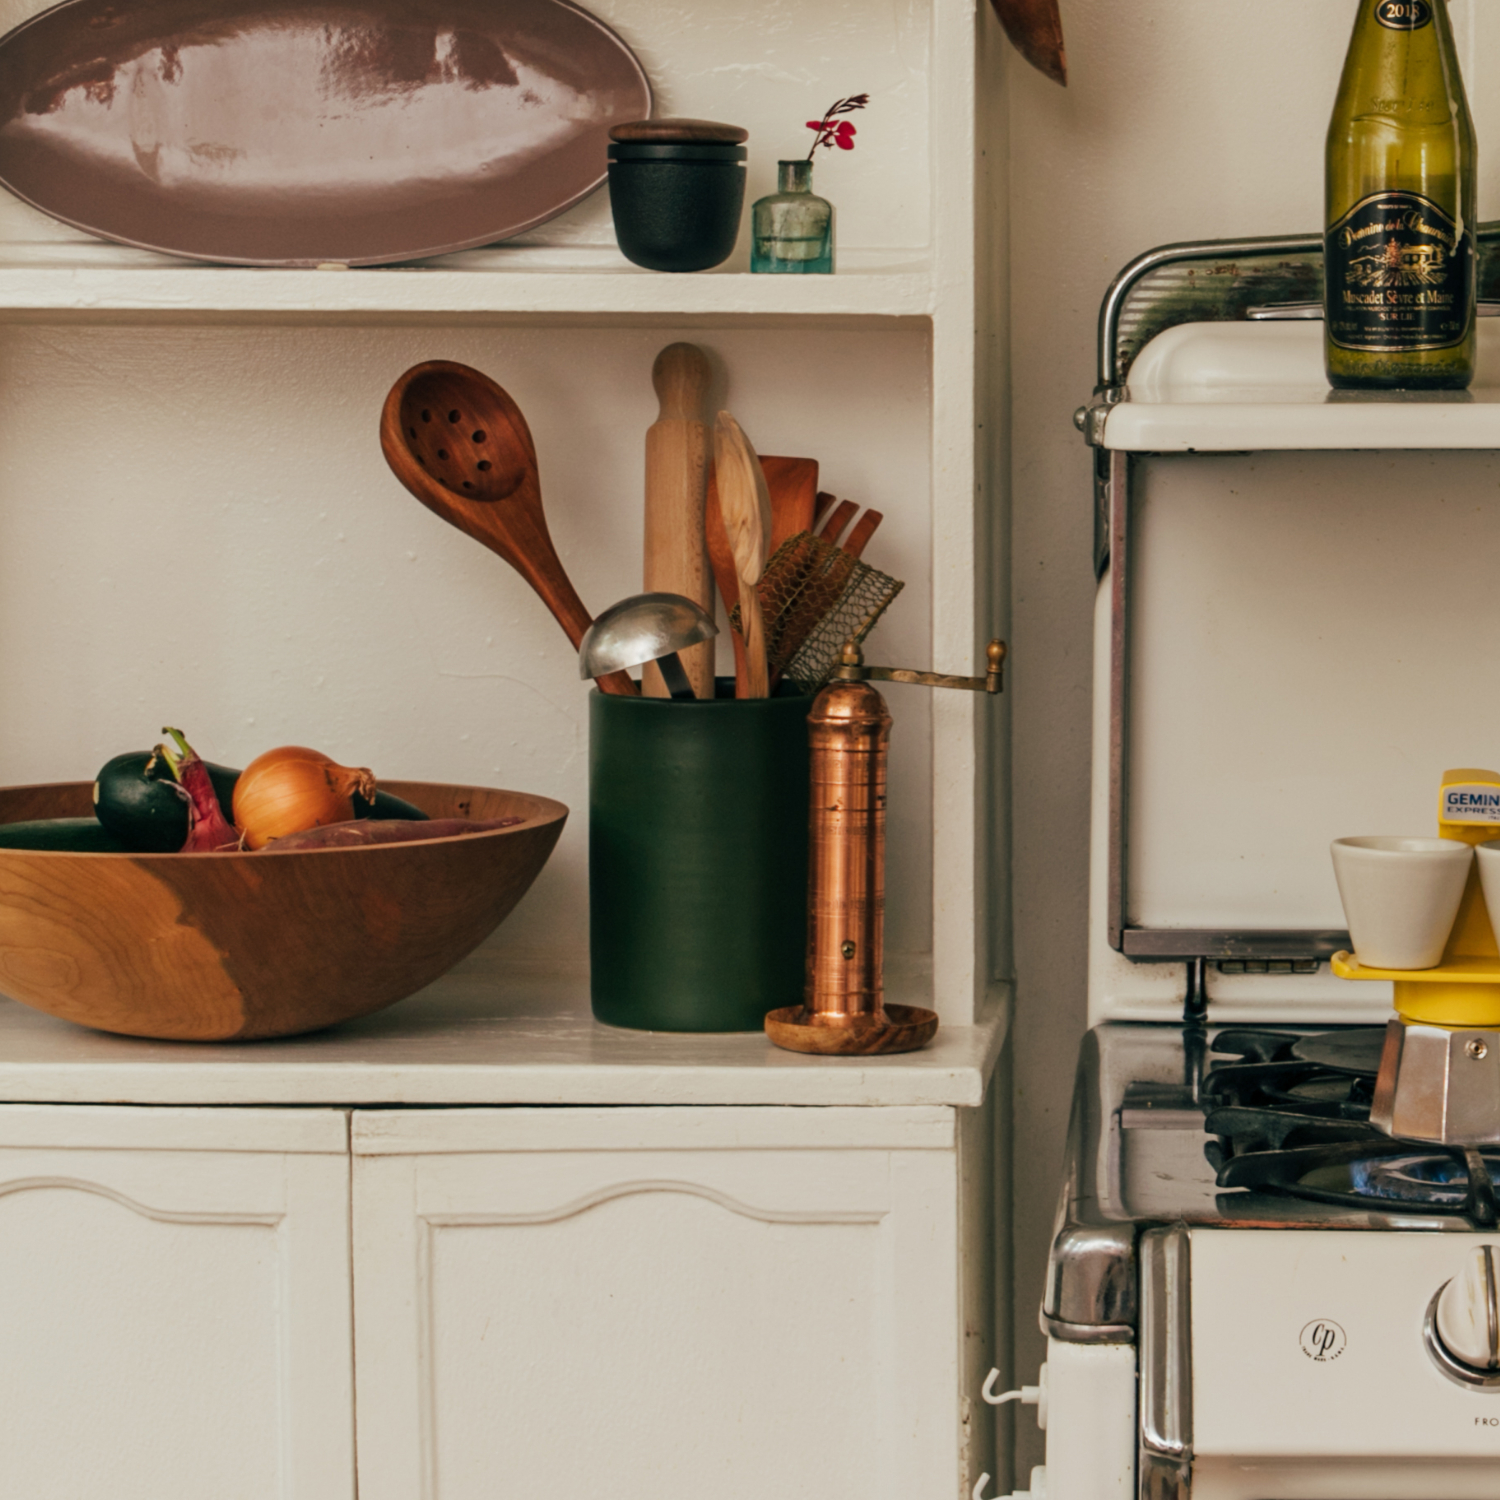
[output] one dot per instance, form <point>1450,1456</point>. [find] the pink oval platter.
<point>291,134</point>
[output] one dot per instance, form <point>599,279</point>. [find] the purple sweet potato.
<point>365,831</point>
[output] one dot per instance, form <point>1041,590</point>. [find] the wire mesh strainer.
<point>815,598</point>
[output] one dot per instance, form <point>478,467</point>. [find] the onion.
<point>291,789</point>
<point>209,832</point>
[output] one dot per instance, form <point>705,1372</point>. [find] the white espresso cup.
<point>1489,879</point>
<point>1400,897</point>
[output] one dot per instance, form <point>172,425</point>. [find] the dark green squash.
<point>144,812</point>
<point>387,806</point>
<point>61,835</point>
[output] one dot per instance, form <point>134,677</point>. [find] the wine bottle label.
<point>1400,276</point>
<point>1404,15</point>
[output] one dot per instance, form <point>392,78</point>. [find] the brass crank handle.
<point>852,668</point>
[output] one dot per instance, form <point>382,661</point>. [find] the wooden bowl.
<point>220,947</point>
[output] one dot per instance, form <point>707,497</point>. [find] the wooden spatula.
<point>745,504</point>
<point>793,487</point>
<point>835,515</point>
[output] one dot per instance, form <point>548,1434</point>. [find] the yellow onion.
<point>290,789</point>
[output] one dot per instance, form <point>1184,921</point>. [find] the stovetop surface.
<point>1246,1127</point>
<point>1290,1114</point>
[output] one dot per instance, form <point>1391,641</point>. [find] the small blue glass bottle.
<point>792,230</point>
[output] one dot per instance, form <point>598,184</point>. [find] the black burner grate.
<point>1291,1114</point>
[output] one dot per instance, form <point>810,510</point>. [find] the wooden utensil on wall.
<point>1035,26</point>
<point>676,552</point>
<point>793,487</point>
<point>458,442</point>
<point>745,504</point>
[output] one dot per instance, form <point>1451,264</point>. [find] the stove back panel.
<point>1312,643</point>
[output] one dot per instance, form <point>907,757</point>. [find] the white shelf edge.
<point>1284,427</point>
<point>1260,387</point>
<point>421,291</point>
<point>488,1033</point>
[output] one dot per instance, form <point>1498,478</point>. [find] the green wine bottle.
<point>1399,248</point>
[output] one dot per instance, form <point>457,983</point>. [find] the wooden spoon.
<point>459,443</point>
<point>745,503</point>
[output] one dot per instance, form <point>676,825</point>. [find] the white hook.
<point>988,1392</point>
<point>984,1479</point>
<point>1028,1395</point>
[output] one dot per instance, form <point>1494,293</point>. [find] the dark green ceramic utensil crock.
<point>697,859</point>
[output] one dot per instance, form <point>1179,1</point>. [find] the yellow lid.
<point>1469,806</point>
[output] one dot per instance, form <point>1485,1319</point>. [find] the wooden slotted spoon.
<point>458,442</point>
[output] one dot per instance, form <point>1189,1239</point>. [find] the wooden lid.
<point>675,130</point>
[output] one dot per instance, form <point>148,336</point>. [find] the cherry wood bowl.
<point>233,947</point>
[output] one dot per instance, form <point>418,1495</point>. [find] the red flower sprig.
<point>832,131</point>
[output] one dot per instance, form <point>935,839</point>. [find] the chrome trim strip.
<point>1182,943</point>
<point>1091,1269</point>
<point>1166,1344</point>
<point>1165,1478</point>
<point>1086,1333</point>
<point>1121,473</point>
<point>1492,1311</point>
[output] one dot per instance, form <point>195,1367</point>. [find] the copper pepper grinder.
<point>844,1009</point>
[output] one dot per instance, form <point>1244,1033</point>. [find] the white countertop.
<point>483,1034</point>
<point>1260,387</point>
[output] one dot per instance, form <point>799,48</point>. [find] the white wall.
<point>201,531</point>
<point>1183,119</point>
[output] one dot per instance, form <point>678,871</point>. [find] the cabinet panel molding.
<point>176,1322</point>
<point>655,1185</point>
<point>659,1324</point>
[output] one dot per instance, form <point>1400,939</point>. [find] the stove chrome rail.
<point>1166,1366</point>
<point>1091,1272</point>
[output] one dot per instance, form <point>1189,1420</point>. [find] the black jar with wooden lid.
<point>677,188</point>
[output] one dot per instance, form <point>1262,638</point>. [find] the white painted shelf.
<point>1259,387</point>
<point>483,1034</point>
<point>70,278</point>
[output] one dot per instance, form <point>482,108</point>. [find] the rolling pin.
<point>676,553</point>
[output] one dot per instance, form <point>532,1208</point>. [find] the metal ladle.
<point>642,628</point>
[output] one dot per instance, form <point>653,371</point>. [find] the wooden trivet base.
<point>904,1029</point>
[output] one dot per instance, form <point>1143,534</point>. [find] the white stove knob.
<point>1467,1313</point>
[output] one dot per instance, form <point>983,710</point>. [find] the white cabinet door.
<point>656,1304</point>
<point>174,1304</point>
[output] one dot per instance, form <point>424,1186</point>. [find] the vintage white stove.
<point>1254,1293</point>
